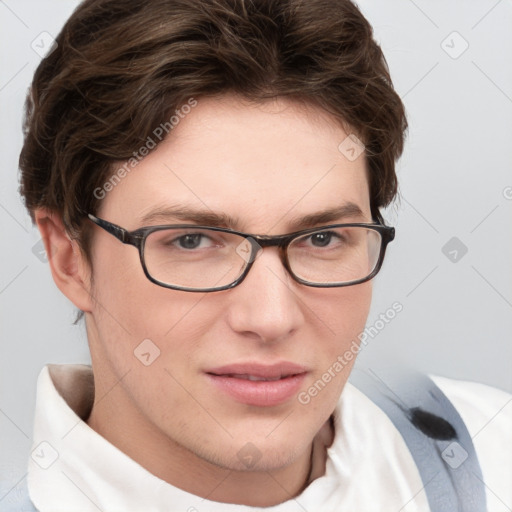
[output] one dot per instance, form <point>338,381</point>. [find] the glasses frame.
<point>138,238</point>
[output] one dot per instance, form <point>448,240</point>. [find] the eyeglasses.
<point>205,259</point>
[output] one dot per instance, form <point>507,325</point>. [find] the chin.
<point>266,454</point>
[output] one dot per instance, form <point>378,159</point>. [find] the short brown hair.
<point>123,67</point>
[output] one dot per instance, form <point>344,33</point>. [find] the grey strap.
<point>435,434</point>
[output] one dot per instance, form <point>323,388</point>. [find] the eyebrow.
<point>218,219</point>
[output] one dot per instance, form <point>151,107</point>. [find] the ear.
<point>69,268</point>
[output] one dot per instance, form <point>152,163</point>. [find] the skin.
<point>264,164</point>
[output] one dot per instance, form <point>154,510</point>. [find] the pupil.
<point>323,238</point>
<point>190,241</point>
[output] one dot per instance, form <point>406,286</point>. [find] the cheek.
<point>341,319</point>
<point>134,317</point>
<point>128,300</point>
<point>146,332</point>
<point>344,314</point>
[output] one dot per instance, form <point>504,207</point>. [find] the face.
<point>265,166</point>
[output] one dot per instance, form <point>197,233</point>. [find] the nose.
<point>266,304</point>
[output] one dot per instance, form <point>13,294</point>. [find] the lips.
<point>257,384</point>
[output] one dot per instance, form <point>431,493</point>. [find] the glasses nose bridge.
<point>259,242</point>
<point>271,241</point>
<point>263,241</point>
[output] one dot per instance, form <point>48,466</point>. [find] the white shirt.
<point>369,467</point>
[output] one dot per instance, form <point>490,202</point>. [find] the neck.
<point>181,468</point>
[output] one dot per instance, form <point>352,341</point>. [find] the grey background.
<point>455,181</point>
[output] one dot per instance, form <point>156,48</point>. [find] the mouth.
<point>254,378</point>
<point>258,385</point>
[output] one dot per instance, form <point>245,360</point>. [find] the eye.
<point>322,239</point>
<point>190,241</point>
<point>170,240</point>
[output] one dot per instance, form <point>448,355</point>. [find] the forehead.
<point>263,164</point>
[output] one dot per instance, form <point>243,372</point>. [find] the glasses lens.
<point>195,258</point>
<point>207,259</point>
<point>335,255</point>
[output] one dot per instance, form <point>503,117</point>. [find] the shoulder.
<point>487,414</point>
<point>482,407</point>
